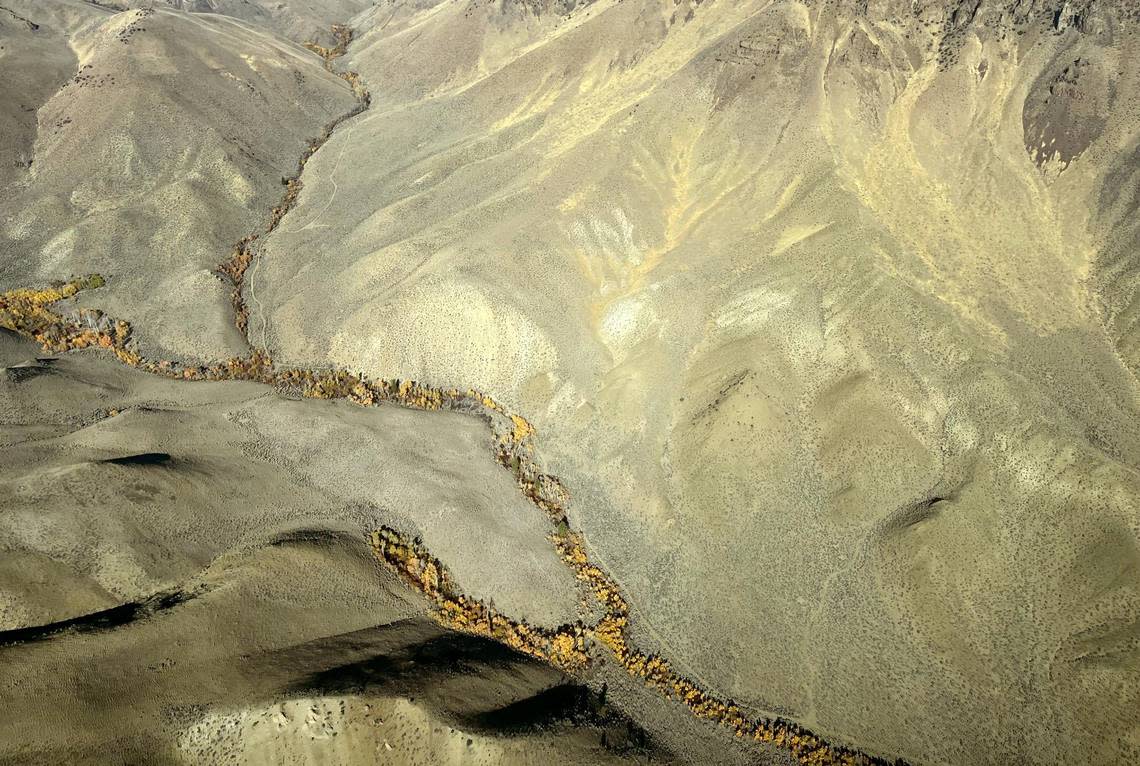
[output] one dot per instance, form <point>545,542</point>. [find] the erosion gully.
<point>43,316</point>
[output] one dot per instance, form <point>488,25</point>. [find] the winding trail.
<point>49,318</point>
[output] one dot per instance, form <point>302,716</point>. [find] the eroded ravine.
<point>43,315</point>
<point>236,267</point>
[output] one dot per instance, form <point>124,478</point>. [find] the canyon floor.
<point>497,382</point>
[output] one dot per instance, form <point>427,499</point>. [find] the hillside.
<point>150,159</point>
<point>826,313</point>
<point>806,333</point>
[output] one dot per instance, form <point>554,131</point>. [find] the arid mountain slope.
<point>138,516</point>
<point>825,313</point>
<point>298,20</point>
<point>33,62</point>
<point>164,144</point>
<point>235,468</point>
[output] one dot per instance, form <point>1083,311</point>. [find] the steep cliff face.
<point>824,311</point>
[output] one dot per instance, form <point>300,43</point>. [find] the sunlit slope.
<point>32,66</point>
<point>132,484</point>
<point>825,313</point>
<point>162,146</point>
<point>186,578</point>
<point>299,20</point>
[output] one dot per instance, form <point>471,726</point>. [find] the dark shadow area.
<point>482,686</point>
<point>142,458</point>
<point>106,619</point>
